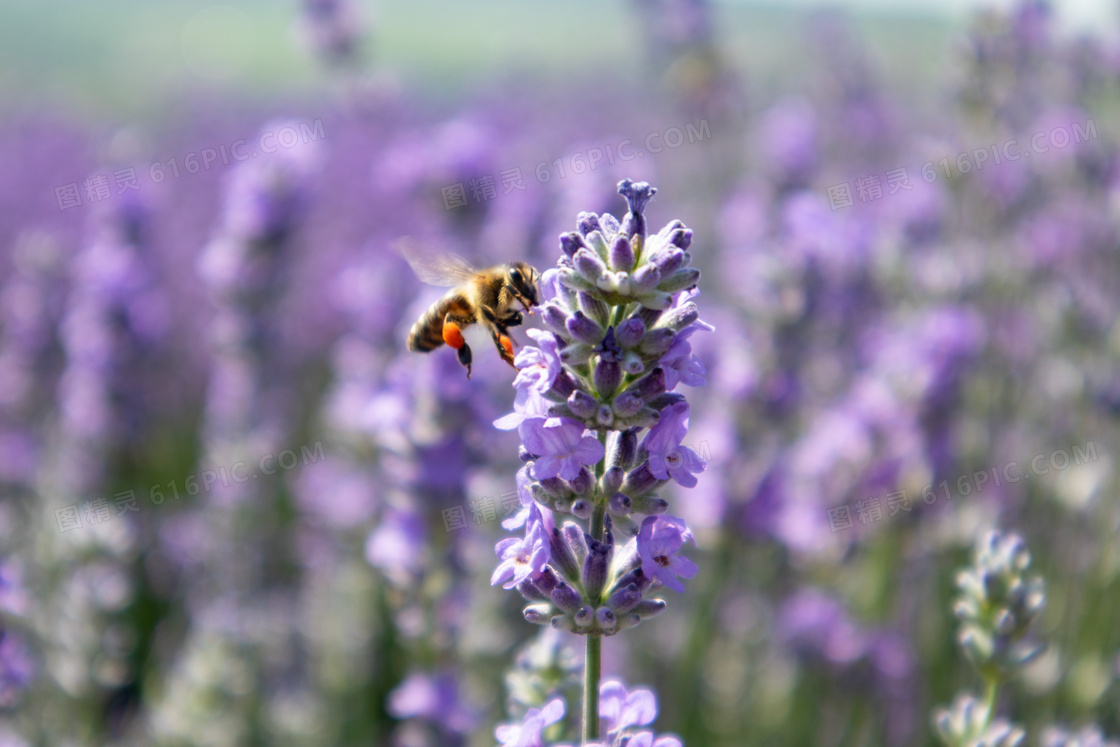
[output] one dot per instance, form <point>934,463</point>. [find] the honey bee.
<point>485,297</point>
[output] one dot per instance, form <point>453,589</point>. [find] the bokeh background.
<point>235,511</point>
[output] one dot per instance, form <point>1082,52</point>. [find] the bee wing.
<point>434,268</point>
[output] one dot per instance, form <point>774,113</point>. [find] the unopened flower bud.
<point>539,614</point>
<point>582,404</point>
<point>606,377</point>
<point>680,280</point>
<point>584,328</point>
<point>621,254</point>
<point>562,556</point>
<point>629,333</point>
<point>566,597</point>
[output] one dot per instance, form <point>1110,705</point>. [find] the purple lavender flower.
<point>16,668</point>
<point>667,458</point>
<point>620,709</point>
<point>658,542</point>
<point>435,698</point>
<point>560,449</point>
<point>522,558</point>
<point>529,733</point>
<point>539,365</point>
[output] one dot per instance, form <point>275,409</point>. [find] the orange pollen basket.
<point>452,335</point>
<point>507,345</point>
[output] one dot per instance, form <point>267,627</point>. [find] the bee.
<point>484,297</point>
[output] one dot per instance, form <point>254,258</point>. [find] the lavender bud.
<point>566,597</point>
<point>646,277</point>
<point>633,577</point>
<point>582,509</point>
<point>606,377</point>
<point>594,308</point>
<point>582,482</point>
<point>626,405</point>
<point>650,505</point>
<point>639,481</point>
<point>546,580</point>
<point>663,400</point>
<point>681,238</point>
<point>620,504</point>
<point>657,341</point>
<point>638,195</point>
<point>559,410</point>
<point>649,316</point>
<point>608,224</point>
<point>582,404</point>
<point>679,318</point>
<point>649,608</point>
<point>612,480</point>
<point>555,487</point>
<point>555,318</point>
<point>605,415</point>
<point>562,555</point>
<point>596,241</point>
<point>562,387</point>
<point>576,542</point>
<point>573,280</point>
<point>669,261</point>
<point>584,328</point>
<point>632,364</point>
<point>524,454</point>
<point>576,353</point>
<point>679,280</point>
<point>587,222</point>
<point>584,617</point>
<point>625,599</point>
<point>649,386</point>
<point>647,417</point>
<point>571,242</point>
<point>538,614</point>
<point>629,333</point>
<point>531,592</point>
<point>622,448</point>
<point>566,624</point>
<point>621,254</point>
<point>605,620</point>
<point>596,567</point>
<point>627,621</point>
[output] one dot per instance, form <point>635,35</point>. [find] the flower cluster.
<point>1089,736</point>
<point>968,724</point>
<point>997,605</point>
<point>624,713</point>
<point>620,313</point>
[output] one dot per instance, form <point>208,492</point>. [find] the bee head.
<point>522,280</point>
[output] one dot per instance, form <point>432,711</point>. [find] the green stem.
<point>592,668</point>
<point>593,661</point>
<point>991,694</point>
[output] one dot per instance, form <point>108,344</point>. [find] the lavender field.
<point>806,433</point>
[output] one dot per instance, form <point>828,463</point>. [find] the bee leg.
<point>504,344</point>
<point>465,358</point>
<point>453,336</point>
<point>513,320</point>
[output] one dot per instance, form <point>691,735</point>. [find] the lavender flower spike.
<point>620,307</point>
